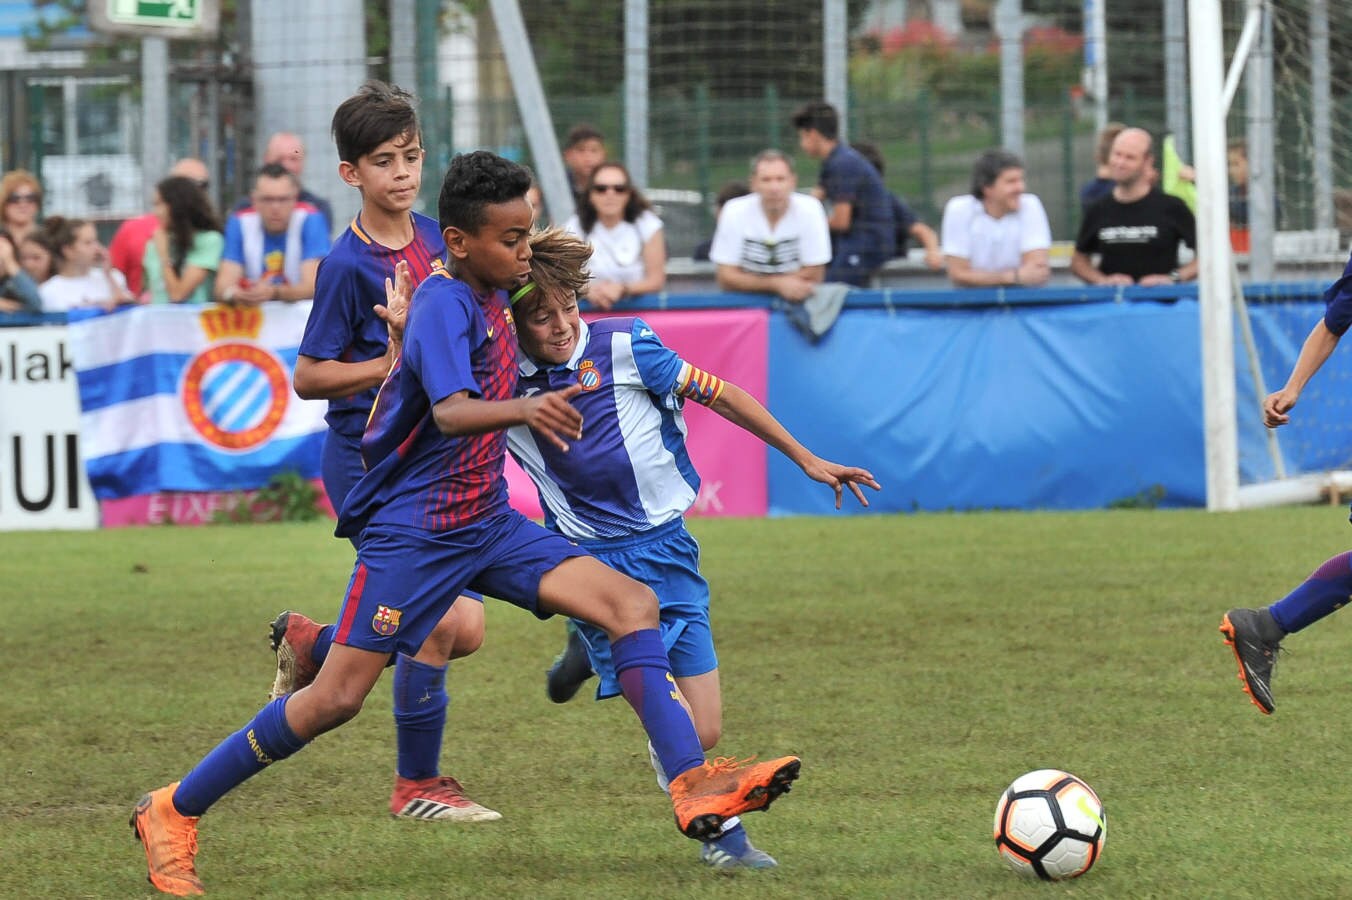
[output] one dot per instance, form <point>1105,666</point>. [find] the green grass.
<point>917,664</point>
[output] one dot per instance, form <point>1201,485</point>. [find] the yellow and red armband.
<point>696,384</point>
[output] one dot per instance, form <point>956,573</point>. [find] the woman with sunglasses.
<point>629,250</point>
<point>21,196</point>
<point>182,256</point>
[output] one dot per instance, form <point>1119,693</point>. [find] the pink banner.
<point>192,507</point>
<point>732,344</point>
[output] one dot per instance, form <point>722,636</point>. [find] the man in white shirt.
<point>997,235</point>
<point>773,240</point>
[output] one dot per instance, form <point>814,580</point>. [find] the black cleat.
<point>570,671</point>
<point>1255,637</point>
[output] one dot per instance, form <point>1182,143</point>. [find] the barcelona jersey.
<point>416,476</point>
<point>343,324</point>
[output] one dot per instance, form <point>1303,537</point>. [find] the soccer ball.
<point>1050,824</point>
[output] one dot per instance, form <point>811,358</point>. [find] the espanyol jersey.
<point>630,472</point>
<point>343,324</point>
<point>415,475</point>
<point>1338,303</point>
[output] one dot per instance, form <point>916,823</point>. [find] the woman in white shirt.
<point>629,251</point>
<point>80,280</point>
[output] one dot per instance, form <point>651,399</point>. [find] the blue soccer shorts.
<point>405,579</point>
<point>340,467</point>
<point>667,560</point>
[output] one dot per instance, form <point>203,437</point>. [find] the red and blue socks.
<point>420,702</point>
<point>646,681</point>
<point>1328,589</point>
<point>265,740</point>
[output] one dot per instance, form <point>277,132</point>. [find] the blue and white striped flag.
<point>177,398</point>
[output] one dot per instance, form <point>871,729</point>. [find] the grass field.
<point>916,663</point>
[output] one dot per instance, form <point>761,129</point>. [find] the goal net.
<point>1282,165</point>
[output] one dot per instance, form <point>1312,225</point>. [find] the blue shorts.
<point>406,579</point>
<point>667,560</point>
<point>340,467</point>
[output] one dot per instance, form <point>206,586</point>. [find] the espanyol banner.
<point>180,398</point>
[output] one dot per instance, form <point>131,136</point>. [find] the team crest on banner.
<point>235,392</point>
<point>588,375</point>
<point>386,620</point>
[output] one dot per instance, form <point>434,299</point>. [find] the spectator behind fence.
<point>583,150</point>
<point>1102,183</point>
<point>183,254</point>
<point>774,240</point>
<point>997,234</point>
<point>128,245</point>
<point>18,291</point>
<point>272,248</point>
<point>20,203</point>
<point>83,275</point>
<point>37,257</point>
<point>288,151</point>
<point>730,190</point>
<point>1136,229</point>
<point>908,224</point>
<point>863,233</point>
<point>629,251</point>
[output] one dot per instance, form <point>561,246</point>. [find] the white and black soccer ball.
<point>1050,824</point>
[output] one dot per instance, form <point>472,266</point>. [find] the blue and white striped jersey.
<point>631,471</point>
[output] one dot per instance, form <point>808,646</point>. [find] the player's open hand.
<point>1276,406</point>
<point>398,295</point>
<point>553,416</point>
<point>839,477</point>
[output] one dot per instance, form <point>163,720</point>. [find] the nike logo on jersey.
<point>646,332</point>
<point>531,392</point>
<point>490,333</point>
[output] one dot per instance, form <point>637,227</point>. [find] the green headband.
<point>522,291</point>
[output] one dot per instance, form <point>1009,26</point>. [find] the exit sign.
<point>179,19</point>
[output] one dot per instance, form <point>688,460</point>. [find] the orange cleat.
<point>705,796</point>
<point>293,638</point>
<point>440,797</point>
<point>170,842</point>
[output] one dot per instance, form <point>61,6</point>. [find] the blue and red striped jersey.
<point>416,476</point>
<point>350,283</point>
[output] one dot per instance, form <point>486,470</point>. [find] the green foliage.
<point>287,498</point>
<point>1146,498</point>
<point>949,654</point>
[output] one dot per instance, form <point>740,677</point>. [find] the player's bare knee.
<point>467,640</point>
<point>709,733</point>
<point>635,608</point>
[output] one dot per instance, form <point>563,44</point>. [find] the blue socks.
<point>323,641</point>
<point>420,701</point>
<point>1328,589</point>
<point>645,678</point>
<point>248,751</point>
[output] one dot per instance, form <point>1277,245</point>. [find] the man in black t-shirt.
<point>1136,229</point>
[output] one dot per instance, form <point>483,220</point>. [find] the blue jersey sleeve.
<point>1338,303</point>
<point>234,241</point>
<point>444,326</point>
<point>332,325</point>
<point>314,237</point>
<point>658,365</point>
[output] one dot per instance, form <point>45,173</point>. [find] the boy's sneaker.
<point>293,638</point>
<point>439,797</point>
<point>712,854</point>
<point>1255,637</point>
<point>571,669</point>
<point>170,842</point>
<point>706,795</point>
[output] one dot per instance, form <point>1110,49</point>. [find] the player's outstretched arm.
<point>1313,353</point>
<point>550,414</point>
<point>745,411</point>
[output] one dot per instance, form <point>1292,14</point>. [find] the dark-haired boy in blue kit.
<point>433,517</point>
<point>346,351</point>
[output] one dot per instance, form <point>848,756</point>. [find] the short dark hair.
<point>820,116</point>
<point>870,152</point>
<point>583,131</point>
<point>474,181</point>
<point>377,113</point>
<point>277,170</point>
<point>731,190</point>
<point>988,167</point>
